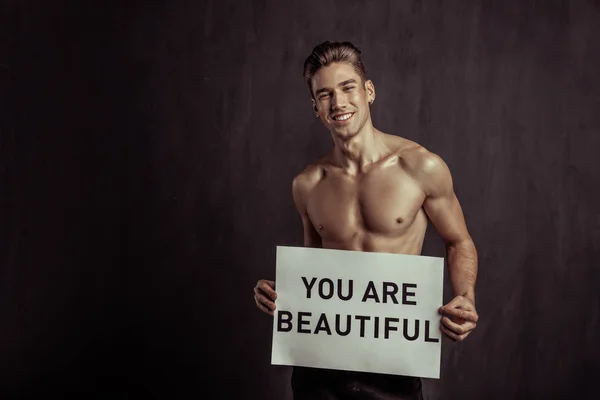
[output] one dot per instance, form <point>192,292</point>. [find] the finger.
<point>264,300</point>
<point>452,335</point>
<point>267,289</point>
<point>461,302</point>
<point>269,283</point>
<point>259,292</point>
<point>262,307</point>
<point>458,313</point>
<point>458,328</point>
<point>265,310</point>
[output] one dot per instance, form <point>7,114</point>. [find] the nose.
<point>338,101</point>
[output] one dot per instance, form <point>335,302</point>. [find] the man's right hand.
<point>265,296</point>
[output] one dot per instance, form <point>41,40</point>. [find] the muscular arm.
<point>445,213</point>
<point>300,189</point>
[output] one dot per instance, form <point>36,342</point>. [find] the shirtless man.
<point>373,192</point>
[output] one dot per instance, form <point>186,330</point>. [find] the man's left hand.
<point>459,318</point>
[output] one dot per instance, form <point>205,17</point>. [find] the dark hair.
<point>331,52</point>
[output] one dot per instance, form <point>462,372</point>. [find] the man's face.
<point>341,100</point>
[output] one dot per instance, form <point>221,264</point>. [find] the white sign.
<point>358,311</point>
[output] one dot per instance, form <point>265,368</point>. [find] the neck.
<point>357,152</point>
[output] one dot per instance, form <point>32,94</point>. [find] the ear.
<point>370,88</point>
<point>314,104</point>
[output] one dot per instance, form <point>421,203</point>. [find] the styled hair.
<point>333,52</point>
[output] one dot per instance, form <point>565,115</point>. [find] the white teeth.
<point>343,117</point>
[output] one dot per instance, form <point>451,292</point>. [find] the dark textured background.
<point>146,157</point>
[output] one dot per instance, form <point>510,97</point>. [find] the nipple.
<point>399,220</point>
<point>320,227</point>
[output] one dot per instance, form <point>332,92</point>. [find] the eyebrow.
<point>344,83</point>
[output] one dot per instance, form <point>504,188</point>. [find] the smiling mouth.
<point>343,117</point>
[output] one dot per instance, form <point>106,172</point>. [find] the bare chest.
<point>383,203</point>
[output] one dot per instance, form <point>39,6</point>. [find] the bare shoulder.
<point>308,177</point>
<point>306,181</point>
<point>427,168</point>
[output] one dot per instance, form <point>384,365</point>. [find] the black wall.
<point>146,157</point>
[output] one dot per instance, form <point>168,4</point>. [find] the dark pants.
<point>321,384</point>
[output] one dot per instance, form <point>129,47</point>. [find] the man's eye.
<point>323,96</point>
<point>349,88</point>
